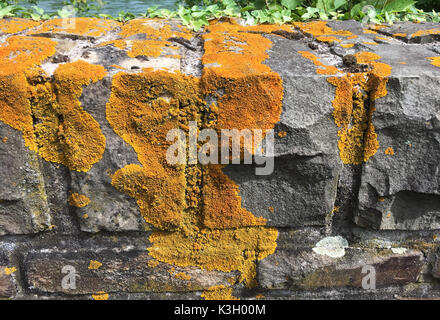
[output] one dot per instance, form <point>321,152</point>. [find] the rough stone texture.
<point>390,202</point>
<point>126,271</point>
<point>307,167</point>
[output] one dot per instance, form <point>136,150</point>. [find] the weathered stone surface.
<point>308,270</point>
<point>307,164</point>
<point>123,271</point>
<point>310,196</point>
<point>23,202</point>
<point>413,33</point>
<point>7,287</point>
<point>400,189</point>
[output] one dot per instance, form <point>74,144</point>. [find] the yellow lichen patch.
<point>377,26</point>
<point>347,45</point>
<point>328,39</point>
<point>16,25</point>
<point>5,139</point>
<point>435,61</point>
<point>381,199</point>
<point>259,296</point>
<point>94,265</point>
<point>182,276</point>
<point>322,32</point>
<point>323,69</point>
<point>389,151</point>
<point>366,57</point>
<point>67,134</point>
<point>251,98</point>
<point>218,293</point>
<point>224,250</point>
<point>17,55</point>
<point>100,295</point>
<point>282,134</point>
<point>354,107</point>
<point>370,43</point>
<point>320,28</point>
<point>78,200</point>
<point>368,31</point>
<point>428,32</point>
<point>399,35</point>
<point>92,27</point>
<point>142,109</point>
<point>154,29</point>
<point>222,203</point>
<point>9,271</point>
<point>85,216</point>
<point>153,263</point>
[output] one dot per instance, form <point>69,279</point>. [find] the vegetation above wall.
<point>197,13</point>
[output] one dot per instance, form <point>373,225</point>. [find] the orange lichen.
<point>5,140</point>
<point>370,43</point>
<point>435,61</point>
<point>224,250</point>
<point>100,295</point>
<point>377,26</point>
<point>157,33</point>
<point>154,29</point>
<point>222,202</point>
<point>259,296</point>
<point>354,106</point>
<point>427,32</point>
<point>182,276</point>
<point>67,134</point>
<point>320,28</point>
<point>347,45</point>
<point>153,263</point>
<point>323,69</point>
<point>17,55</point>
<point>389,151</point>
<point>328,39</point>
<point>399,35</point>
<point>94,265</point>
<point>381,199</point>
<point>9,271</point>
<point>142,109</point>
<point>16,25</point>
<point>218,293</point>
<point>85,216</point>
<point>366,57</point>
<point>91,27</point>
<point>282,134</point>
<point>368,31</point>
<point>383,38</point>
<point>78,200</point>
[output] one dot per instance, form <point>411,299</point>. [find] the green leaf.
<point>291,4</point>
<point>398,5</point>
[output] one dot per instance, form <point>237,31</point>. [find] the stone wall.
<point>86,191</point>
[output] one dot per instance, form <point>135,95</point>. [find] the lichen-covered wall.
<point>85,108</point>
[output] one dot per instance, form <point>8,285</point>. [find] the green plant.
<point>198,13</point>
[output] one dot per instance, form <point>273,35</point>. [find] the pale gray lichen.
<point>333,247</point>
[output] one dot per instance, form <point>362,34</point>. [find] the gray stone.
<point>306,269</point>
<point>307,164</point>
<point>23,201</point>
<point>121,271</point>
